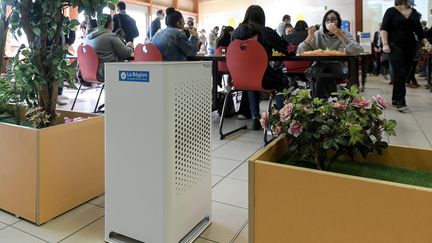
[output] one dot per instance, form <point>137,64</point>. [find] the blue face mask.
<point>411,2</point>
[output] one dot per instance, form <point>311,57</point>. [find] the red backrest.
<point>297,66</point>
<point>147,53</point>
<point>88,62</point>
<point>222,66</point>
<point>247,62</point>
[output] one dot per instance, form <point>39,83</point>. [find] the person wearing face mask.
<point>172,41</point>
<point>330,36</point>
<point>399,26</point>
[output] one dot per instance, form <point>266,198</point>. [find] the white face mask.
<point>328,26</point>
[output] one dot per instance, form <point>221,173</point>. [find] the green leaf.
<point>45,20</point>
<point>36,31</point>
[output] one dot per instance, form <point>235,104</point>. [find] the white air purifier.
<point>157,148</point>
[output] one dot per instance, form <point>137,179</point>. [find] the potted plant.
<point>4,27</point>
<point>48,166</point>
<point>288,200</point>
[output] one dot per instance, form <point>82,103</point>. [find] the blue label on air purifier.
<point>134,76</point>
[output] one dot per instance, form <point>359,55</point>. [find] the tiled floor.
<point>230,207</point>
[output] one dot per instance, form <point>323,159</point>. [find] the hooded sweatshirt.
<point>108,47</point>
<point>332,42</point>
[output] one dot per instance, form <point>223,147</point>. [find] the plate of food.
<point>320,52</point>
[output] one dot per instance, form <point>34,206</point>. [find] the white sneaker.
<point>62,100</point>
<point>62,97</point>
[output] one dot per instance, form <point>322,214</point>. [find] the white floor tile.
<point>94,233</point>
<point>227,221</point>
<point>216,179</point>
<point>3,226</point>
<point>410,138</point>
<point>201,240</point>
<point>8,218</point>
<point>12,235</point>
<point>241,173</point>
<point>243,236</point>
<point>64,225</point>
<point>231,191</point>
<point>99,201</point>
<point>234,153</point>
<point>429,137</point>
<point>223,167</point>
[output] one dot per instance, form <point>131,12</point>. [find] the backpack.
<point>120,32</point>
<point>229,109</point>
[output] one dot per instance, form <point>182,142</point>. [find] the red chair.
<point>88,63</point>
<point>147,53</point>
<point>247,61</point>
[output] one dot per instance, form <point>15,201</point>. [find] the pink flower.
<point>295,128</point>
<point>264,119</point>
<point>340,105</point>
<point>362,103</point>
<point>380,102</point>
<point>277,131</point>
<point>286,112</point>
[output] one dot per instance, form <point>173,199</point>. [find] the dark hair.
<point>190,23</point>
<point>339,20</point>
<point>108,20</point>
<point>300,25</point>
<point>225,33</point>
<point>172,17</point>
<point>254,16</point>
<point>121,6</point>
<point>285,17</point>
<point>93,24</point>
<point>401,2</point>
<point>159,12</point>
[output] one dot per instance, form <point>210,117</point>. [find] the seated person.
<point>108,46</point>
<point>254,25</point>
<point>300,33</point>
<point>330,36</point>
<point>172,41</point>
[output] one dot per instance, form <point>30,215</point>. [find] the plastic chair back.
<point>296,66</point>
<point>147,53</point>
<point>247,62</point>
<point>222,66</point>
<point>88,62</point>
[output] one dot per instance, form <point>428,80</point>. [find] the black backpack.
<point>229,109</point>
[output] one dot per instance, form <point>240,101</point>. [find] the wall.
<point>223,12</point>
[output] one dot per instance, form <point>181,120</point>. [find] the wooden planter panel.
<point>292,204</point>
<point>18,165</point>
<point>68,168</point>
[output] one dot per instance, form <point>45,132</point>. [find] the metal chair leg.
<point>272,94</point>
<point>223,135</point>
<point>97,103</point>
<point>76,96</point>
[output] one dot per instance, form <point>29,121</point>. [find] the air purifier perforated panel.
<point>192,143</point>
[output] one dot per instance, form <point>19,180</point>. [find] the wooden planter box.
<point>46,172</point>
<point>293,204</point>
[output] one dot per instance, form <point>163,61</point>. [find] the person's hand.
<point>335,30</point>
<point>377,49</point>
<point>130,44</point>
<point>193,31</point>
<point>386,48</point>
<point>311,31</point>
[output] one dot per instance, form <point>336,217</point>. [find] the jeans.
<point>254,104</point>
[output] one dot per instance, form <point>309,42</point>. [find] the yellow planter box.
<point>293,204</point>
<point>46,172</point>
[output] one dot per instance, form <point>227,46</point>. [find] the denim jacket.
<point>174,45</point>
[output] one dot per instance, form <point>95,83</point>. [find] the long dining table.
<point>352,60</point>
<point>353,66</point>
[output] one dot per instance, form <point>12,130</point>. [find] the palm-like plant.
<point>43,67</point>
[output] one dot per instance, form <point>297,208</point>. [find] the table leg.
<point>353,72</point>
<point>364,64</point>
<point>214,85</point>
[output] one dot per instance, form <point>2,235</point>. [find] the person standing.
<point>125,23</point>
<point>399,25</point>
<point>202,41</point>
<point>376,45</point>
<point>155,25</point>
<point>286,20</point>
<point>212,40</point>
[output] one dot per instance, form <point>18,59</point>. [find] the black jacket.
<point>296,37</point>
<point>154,27</point>
<point>128,25</point>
